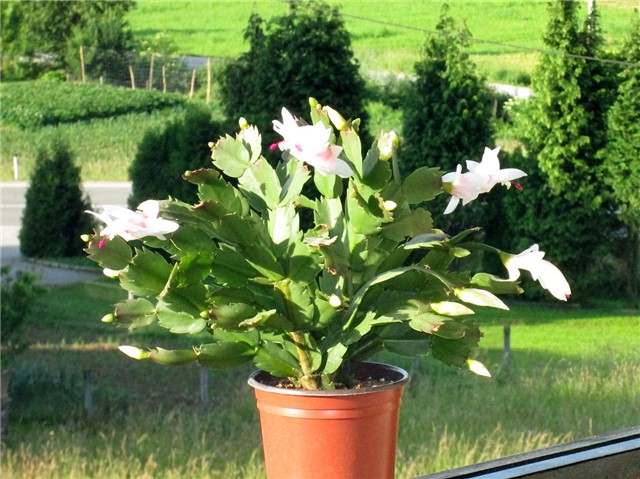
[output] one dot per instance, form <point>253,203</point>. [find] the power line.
<point>490,42</point>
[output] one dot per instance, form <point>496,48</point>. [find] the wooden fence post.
<point>204,386</point>
<point>88,392</point>
<point>506,357</point>
<point>193,83</point>
<point>164,79</point>
<point>132,77</point>
<point>208,79</point>
<point>150,82</point>
<point>84,78</point>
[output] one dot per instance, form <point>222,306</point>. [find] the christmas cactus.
<point>311,265</point>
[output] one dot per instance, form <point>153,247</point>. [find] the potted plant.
<point>308,269</point>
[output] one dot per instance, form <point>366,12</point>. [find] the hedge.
<point>33,104</point>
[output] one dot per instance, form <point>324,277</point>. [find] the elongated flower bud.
<point>337,119</point>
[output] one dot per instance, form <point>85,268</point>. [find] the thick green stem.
<point>308,380</point>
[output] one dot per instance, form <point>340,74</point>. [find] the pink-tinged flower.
<point>462,187</point>
<point>543,271</point>
<point>132,225</point>
<point>480,178</point>
<point>311,144</point>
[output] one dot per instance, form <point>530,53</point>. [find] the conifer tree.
<point>621,156</point>
<point>54,217</point>
<point>563,128</point>
<point>567,126</point>
<point>448,116</point>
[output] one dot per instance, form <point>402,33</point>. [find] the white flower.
<point>132,225</point>
<point>465,187</point>
<point>489,170</point>
<point>311,144</point>
<point>543,271</point>
<point>480,178</point>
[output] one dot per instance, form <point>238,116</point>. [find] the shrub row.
<point>33,104</point>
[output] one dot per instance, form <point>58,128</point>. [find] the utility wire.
<point>490,42</point>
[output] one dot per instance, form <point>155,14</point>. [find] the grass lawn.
<point>576,372</point>
<point>381,40</point>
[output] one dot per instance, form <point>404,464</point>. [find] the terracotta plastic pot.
<point>343,434</point>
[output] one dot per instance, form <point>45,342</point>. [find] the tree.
<point>621,157</point>
<point>55,212</point>
<point>292,57</point>
<point>448,115</point>
<point>164,155</point>
<point>47,27</point>
<point>573,237</point>
<point>105,40</point>
<point>563,127</point>
<point>567,126</point>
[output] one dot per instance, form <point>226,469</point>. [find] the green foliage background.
<point>165,154</point>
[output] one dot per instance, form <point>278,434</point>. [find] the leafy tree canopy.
<point>55,27</point>
<point>306,52</point>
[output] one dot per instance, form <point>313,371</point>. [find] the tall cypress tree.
<point>54,216</point>
<point>448,116</point>
<point>621,156</point>
<point>568,123</point>
<point>564,127</point>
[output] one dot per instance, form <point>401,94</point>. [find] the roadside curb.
<point>60,265</point>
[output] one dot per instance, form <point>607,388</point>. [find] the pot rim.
<point>402,377</point>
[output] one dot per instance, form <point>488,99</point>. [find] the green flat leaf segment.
<point>113,253</point>
<point>135,313</point>
<point>277,361</point>
<point>147,274</point>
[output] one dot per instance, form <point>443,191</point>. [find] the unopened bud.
<point>133,352</point>
<point>335,301</point>
<point>111,273</point>
<point>337,119</point>
<point>313,103</point>
<point>387,143</point>
<point>108,318</point>
<point>85,238</point>
<point>204,314</point>
<point>243,123</point>
<point>390,205</point>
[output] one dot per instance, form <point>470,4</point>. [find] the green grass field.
<point>575,373</point>
<point>387,35</point>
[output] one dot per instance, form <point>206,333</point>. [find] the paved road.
<point>12,204</point>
